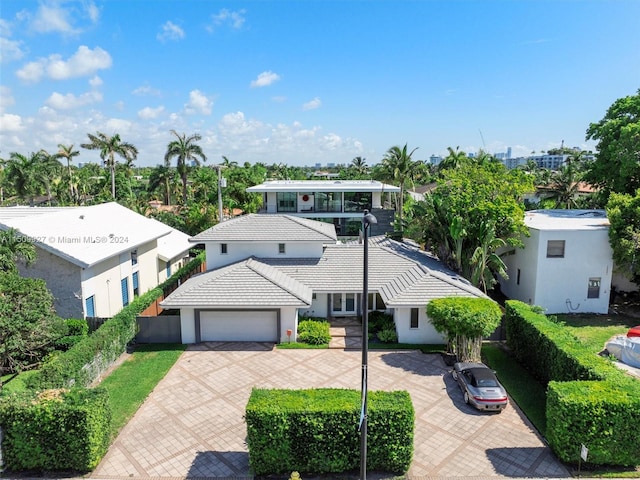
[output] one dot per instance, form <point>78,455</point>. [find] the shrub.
<point>314,332</point>
<point>378,321</point>
<point>316,431</point>
<point>77,329</point>
<point>55,430</point>
<point>388,336</point>
<point>589,401</point>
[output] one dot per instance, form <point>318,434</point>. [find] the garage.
<point>239,326</point>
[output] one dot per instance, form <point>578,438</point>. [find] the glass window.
<point>555,249</point>
<point>134,257</point>
<point>168,269</point>
<point>281,248</point>
<point>594,288</point>
<point>124,286</point>
<point>415,315</point>
<point>90,306</point>
<point>357,201</point>
<point>136,289</point>
<point>328,202</point>
<point>337,302</point>
<point>287,201</point>
<point>223,249</point>
<point>351,302</point>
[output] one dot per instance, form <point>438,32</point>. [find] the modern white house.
<point>96,259</point>
<point>566,263</point>
<point>339,202</point>
<point>266,271</point>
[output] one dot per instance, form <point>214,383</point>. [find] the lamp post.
<point>367,220</point>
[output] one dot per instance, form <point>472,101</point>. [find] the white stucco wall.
<point>103,282</point>
<point>187,325</point>
<point>288,321</point>
<point>425,333</point>
<point>240,251</point>
<point>176,264</point>
<point>318,307</point>
<point>560,285</point>
<point>63,279</point>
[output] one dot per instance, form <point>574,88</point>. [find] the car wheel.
<point>466,397</point>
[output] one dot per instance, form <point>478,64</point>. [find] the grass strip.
<point>132,382</point>
<point>523,388</point>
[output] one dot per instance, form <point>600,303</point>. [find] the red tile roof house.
<point>265,271</point>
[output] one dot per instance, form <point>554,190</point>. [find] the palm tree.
<point>14,248</point>
<point>455,159</point>
<point>184,149</point>
<point>401,168</point>
<point>29,175</point>
<point>485,262</point>
<point>67,152</point>
<point>360,166</point>
<point>47,171</point>
<point>162,177</point>
<point>109,147</point>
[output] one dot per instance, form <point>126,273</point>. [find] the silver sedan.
<point>480,387</point>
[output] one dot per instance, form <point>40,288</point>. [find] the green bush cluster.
<point>87,359</point>
<point>77,329</point>
<point>316,431</point>
<point>56,430</point>
<point>381,325</point>
<point>314,331</point>
<point>589,401</point>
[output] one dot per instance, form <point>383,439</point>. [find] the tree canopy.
<point>623,211</point>
<point>472,205</point>
<point>617,164</point>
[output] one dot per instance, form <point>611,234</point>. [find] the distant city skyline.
<point>312,82</point>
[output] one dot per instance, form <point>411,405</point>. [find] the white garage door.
<point>245,326</point>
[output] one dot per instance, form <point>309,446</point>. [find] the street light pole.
<point>367,220</point>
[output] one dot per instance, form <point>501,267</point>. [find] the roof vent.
<point>81,217</point>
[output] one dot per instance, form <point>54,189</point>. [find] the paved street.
<point>192,424</point>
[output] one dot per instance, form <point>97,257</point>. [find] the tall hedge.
<point>87,359</point>
<point>55,429</point>
<point>316,431</point>
<point>589,400</point>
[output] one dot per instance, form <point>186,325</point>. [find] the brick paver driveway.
<point>192,424</point>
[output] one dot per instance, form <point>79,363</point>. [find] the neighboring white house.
<point>566,264</point>
<point>266,270</point>
<point>339,202</point>
<point>95,259</point>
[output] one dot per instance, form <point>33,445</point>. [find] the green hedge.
<point>55,430</point>
<point>589,400</point>
<point>314,331</point>
<point>316,431</point>
<point>604,416</point>
<point>87,359</point>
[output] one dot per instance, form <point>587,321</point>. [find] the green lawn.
<point>131,383</point>
<point>595,330</point>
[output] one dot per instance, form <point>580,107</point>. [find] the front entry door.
<point>343,304</point>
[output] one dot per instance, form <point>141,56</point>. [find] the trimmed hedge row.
<point>589,400</point>
<point>55,430</point>
<point>316,431</point>
<point>87,359</point>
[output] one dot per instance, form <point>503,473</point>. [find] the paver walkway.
<point>192,425</point>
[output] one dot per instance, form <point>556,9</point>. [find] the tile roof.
<point>248,283</point>
<point>402,274</point>
<point>268,228</point>
<point>83,235</point>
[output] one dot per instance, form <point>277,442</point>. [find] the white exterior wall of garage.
<point>226,325</point>
<point>425,333</point>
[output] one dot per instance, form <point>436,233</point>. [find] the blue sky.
<point>305,82</point>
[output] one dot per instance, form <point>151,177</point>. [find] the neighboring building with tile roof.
<point>95,259</point>
<point>273,287</point>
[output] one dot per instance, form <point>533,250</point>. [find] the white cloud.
<point>83,63</point>
<point>265,79</point>
<point>6,98</point>
<point>93,12</point>
<point>10,50</point>
<point>227,17</point>
<point>10,123</point>
<point>52,18</point>
<point>148,113</point>
<point>95,81</point>
<point>170,31</point>
<point>198,103</point>
<point>331,142</point>
<point>71,101</point>
<point>312,104</point>
<point>5,28</point>
<point>146,90</point>
<point>234,124</point>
